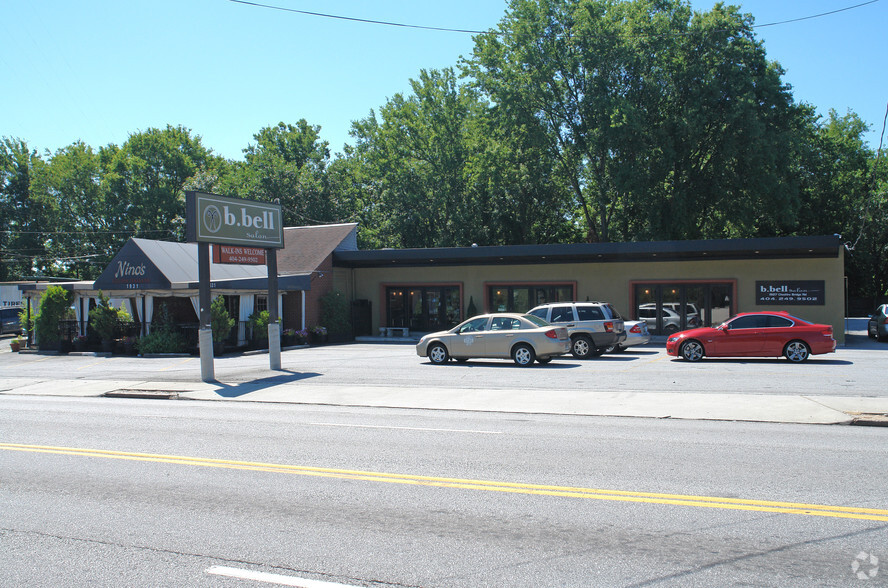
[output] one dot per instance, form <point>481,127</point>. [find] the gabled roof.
<point>306,248</point>
<point>718,249</point>
<point>159,265</point>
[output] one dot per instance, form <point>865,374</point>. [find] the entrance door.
<point>423,308</point>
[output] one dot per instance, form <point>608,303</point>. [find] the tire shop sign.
<point>790,292</point>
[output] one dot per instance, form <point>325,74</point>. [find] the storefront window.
<point>522,298</point>
<point>669,308</point>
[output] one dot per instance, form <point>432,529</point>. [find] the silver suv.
<point>593,326</point>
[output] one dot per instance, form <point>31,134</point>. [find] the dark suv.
<point>9,321</point>
<point>593,326</point>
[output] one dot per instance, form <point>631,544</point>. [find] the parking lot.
<point>857,369</point>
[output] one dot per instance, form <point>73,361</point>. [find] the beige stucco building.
<point>664,283</point>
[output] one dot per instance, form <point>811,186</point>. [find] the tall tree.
<point>25,214</point>
<point>287,164</point>
<point>652,115</point>
<point>146,178</point>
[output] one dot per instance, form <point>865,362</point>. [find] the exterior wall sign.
<point>131,269</point>
<point>239,255</point>
<point>791,292</point>
<point>210,218</point>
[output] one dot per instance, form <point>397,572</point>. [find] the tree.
<point>146,179</point>
<point>287,164</point>
<point>663,125</point>
<point>25,214</point>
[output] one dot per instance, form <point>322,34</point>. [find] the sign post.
<point>210,218</point>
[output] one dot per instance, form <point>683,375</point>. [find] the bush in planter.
<point>336,315</point>
<point>54,307</point>
<point>105,319</point>
<point>220,321</point>
<point>259,325</point>
<point>162,340</point>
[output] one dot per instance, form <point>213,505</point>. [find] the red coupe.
<point>755,334</point>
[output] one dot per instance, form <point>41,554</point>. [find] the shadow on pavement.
<point>235,390</point>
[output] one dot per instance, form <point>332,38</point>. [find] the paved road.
<point>125,492</point>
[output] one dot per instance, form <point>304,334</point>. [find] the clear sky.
<point>98,70</point>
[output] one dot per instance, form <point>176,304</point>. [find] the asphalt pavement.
<point>783,408</point>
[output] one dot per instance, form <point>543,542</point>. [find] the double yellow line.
<point>821,510</point>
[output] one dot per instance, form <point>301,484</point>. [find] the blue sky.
<point>98,70</point>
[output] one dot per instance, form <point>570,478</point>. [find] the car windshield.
<point>536,320</point>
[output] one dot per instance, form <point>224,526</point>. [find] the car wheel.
<point>796,351</point>
<point>581,347</point>
<point>670,329</point>
<point>873,333</point>
<point>438,354</point>
<point>692,350</point>
<point>523,355</point>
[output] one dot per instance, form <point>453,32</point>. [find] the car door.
<point>776,332</point>
<point>741,337</point>
<point>563,316</point>
<point>470,339</point>
<point>499,339</point>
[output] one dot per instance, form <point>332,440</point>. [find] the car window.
<point>474,325</point>
<point>562,314</point>
<point>536,320</point>
<point>752,321</point>
<point>777,321</point>
<point>539,313</point>
<point>504,323</point>
<point>613,312</point>
<point>647,313</point>
<point>590,313</point>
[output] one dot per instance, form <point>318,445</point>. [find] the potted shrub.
<point>288,337</point>
<point>15,344</point>
<point>259,325</point>
<point>105,319</point>
<point>54,307</point>
<point>221,323</point>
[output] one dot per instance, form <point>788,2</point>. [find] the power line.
<point>362,20</point>
<point>475,32</point>
<point>771,24</point>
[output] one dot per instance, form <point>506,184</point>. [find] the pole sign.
<point>210,218</point>
<point>790,292</point>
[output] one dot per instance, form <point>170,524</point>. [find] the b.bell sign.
<point>211,218</point>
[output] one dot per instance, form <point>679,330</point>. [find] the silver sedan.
<point>522,337</point>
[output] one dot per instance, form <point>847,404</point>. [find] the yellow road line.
<point>869,514</point>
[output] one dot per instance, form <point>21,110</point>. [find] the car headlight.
<point>673,339</point>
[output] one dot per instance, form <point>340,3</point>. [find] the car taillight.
<point>885,322</point>
<point>552,334</point>
<point>827,331</point>
<point>635,329</point>
<point>608,327</point>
